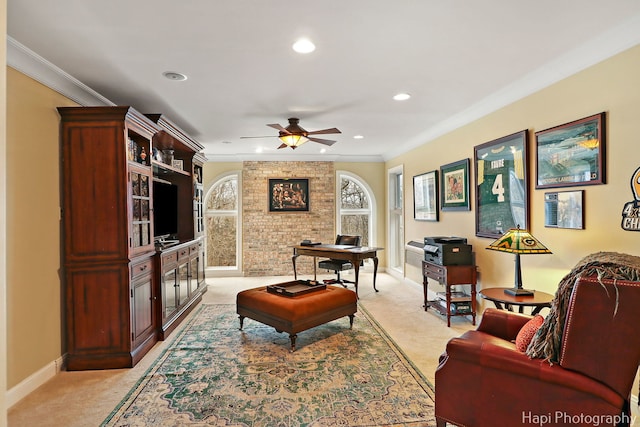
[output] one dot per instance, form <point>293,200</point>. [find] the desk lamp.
<point>517,241</point>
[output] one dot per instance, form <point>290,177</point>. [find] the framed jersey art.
<point>502,188</point>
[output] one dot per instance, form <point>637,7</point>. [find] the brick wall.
<point>267,236</point>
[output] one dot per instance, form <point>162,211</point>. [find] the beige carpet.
<point>81,399</point>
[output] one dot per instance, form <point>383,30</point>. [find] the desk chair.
<point>338,265</point>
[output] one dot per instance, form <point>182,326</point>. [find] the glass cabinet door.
<point>194,267</point>
<point>169,292</point>
<point>183,286</point>
<point>140,211</point>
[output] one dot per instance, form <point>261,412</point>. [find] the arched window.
<point>356,207</point>
<point>222,216</point>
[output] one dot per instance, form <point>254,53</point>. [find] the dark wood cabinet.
<point>182,283</point>
<point>109,215</point>
<point>450,275</point>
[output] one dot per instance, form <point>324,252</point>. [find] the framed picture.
<point>178,164</point>
<point>571,154</point>
<point>502,190</point>
<point>289,195</point>
<point>454,186</point>
<point>564,209</point>
<point>425,196</point>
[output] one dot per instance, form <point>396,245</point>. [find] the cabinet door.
<point>169,292</point>
<point>140,239</point>
<point>194,266</point>
<point>142,309</point>
<point>184,275</point>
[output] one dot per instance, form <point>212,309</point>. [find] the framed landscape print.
<point>289,195</point>
<point>425,196</point>
<point>454,186</point>
<point>502,190</point>
<point>572,153</point>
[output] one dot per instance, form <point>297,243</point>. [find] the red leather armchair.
<point>483,380</point>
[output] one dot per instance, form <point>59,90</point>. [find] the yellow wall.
<point>612,86</point>
<point>33,236</point>
<point>3,217</point>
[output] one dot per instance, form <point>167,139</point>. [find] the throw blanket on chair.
<point>546,343</point>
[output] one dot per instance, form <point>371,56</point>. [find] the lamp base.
<point>518,292</point>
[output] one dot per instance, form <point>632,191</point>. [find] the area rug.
<point>213,374</point>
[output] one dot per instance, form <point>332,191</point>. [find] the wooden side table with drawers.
<point>450,275</point>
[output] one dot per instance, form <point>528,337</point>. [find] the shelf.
<point>165,168</point>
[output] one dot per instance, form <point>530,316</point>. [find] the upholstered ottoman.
<point>293,314</point>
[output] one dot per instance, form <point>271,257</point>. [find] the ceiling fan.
<point>294,135</point>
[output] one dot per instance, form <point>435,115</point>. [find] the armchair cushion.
<point>547,342</point>
<point>524,337</point>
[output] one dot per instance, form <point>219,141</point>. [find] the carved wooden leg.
<point>351,317</point>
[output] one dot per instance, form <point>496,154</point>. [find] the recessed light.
<point>304,46</point>
<point>358,137</point>
<point>323,150</point>
<point>172,75</point>
<point>401,97</point>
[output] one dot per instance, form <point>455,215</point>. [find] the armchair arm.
<point>502,324</point>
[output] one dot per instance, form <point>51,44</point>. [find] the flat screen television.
<point>165,210</point>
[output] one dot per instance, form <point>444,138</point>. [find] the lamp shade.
<point>517,241</point>
<point>293,140</point>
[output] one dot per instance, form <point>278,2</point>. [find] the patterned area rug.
<point>213,374</point>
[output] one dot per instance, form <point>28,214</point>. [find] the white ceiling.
<point>459,59</point>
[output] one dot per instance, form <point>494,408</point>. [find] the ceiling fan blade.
<point>324,131</point>
<point>268,136</point>
<point>278,127</point>
<point>321,141</point>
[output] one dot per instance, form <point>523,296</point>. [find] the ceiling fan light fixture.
<point>293,140</point>
<point>304,46</point>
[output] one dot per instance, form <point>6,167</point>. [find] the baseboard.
<point>27,386</point>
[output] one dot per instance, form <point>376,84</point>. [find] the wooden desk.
<point>354,254</point>
<point>537,301</point>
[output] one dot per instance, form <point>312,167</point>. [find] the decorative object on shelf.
<point>143,156</point>
<point>572,153</point>
<point>178,164</point>
<point>167,156</point>
<point>425,196</point>
<point>157,155</point>
<point>132,150</point>
<point>454,183</point>
<point>517,241</point>
<point>289,195</point>
<point>564,209</point>
<point>631,210</point>
<point>502,189</point>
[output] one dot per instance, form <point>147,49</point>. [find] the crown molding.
<point>33,65</point>
<point>266,157</point>
<point>593,51</point>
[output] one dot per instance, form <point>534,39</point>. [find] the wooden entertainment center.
<point>132,233</point>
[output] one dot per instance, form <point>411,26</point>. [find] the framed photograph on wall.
<point>289,195</point>
<point>425,196</point>
<point>454,186</point>
<point>572,153</point>
<point>564,209</point>
<point>502,189</point>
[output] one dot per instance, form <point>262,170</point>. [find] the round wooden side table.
<point>537,301</point>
